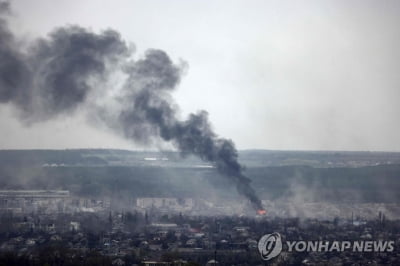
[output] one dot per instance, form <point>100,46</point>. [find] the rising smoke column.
<point>149,110</point>
<point>54,76</point>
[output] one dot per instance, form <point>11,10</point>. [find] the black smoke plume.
<point>52,76</point>
<point>56,75</point>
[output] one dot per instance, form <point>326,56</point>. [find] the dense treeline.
<point>375,183</point>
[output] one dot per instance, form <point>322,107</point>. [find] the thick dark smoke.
<point>149,110</point>
<point>52,76</point>
<point>56,75</point>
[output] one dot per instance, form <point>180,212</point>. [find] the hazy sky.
<point>293,75</point>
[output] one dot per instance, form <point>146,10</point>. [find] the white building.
<point>165,203</point>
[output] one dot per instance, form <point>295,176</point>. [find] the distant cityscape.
<point>111,207</point>
<point>171,231</point>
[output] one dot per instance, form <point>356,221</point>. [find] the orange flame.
<point>261,212</point>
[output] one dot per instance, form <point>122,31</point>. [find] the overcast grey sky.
<point>293,75</point>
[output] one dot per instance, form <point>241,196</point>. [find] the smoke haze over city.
<point>193,133</point>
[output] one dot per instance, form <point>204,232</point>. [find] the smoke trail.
<point>54,76</point>
<point>148,107</point>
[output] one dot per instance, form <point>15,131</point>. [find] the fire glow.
<point>261,212</point>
